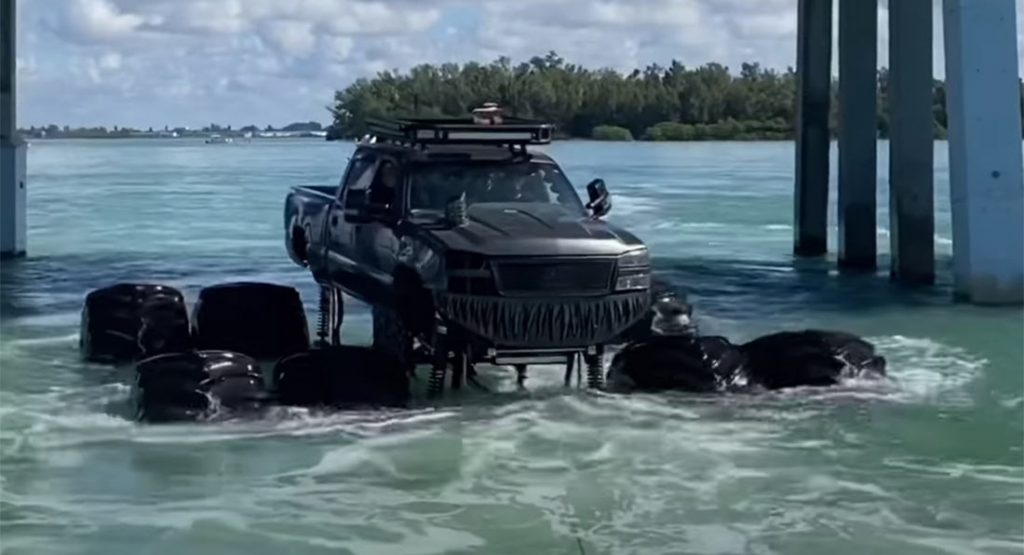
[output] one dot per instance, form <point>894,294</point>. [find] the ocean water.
<point>929,461</point>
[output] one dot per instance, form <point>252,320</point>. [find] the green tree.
<point>655,102</point>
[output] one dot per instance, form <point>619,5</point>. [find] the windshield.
<point>433,185</point>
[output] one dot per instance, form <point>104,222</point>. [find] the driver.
<point>383,191</point>
<point>532,188</point>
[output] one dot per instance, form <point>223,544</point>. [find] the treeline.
<point>656,103</point>
<point>53,131</point>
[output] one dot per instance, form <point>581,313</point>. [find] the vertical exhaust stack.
<point>456,212</point>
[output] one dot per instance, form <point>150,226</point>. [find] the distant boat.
<point>217,139</point>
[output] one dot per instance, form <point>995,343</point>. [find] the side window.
<point>358,170</point>
<point>384,187</point>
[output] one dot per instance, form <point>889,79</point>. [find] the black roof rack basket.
<point>424,131</point>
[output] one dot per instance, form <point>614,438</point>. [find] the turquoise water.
<point>929,462</point>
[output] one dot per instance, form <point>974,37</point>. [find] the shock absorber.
<point>439,367</point>
<point>323,325</point>
<point>520,376</point>
<point>595,370</point>
<point>570,365</point>
<point>328,319</point>
<point>336,315</point>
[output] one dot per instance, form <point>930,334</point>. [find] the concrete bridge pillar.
<point>12,149</point>
<point>985,160</point>
<point>813,63</point>
<point>911,142</point>
<point>858,125</point>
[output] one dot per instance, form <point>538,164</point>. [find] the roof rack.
<point>470,130</point>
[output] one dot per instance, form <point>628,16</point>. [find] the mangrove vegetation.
<point>659,103</point>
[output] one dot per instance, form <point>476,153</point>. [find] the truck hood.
<point>515,229</point>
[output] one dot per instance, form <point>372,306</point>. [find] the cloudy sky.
<point>193,62</point>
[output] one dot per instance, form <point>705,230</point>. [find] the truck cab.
<point>454,225</point>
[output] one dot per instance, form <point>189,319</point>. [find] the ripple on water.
<point>919,463</point>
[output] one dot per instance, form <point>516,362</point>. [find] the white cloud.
<point>109,61</point>
<point>138,62</point>
<point>102,20</point>
<point>294,38</point>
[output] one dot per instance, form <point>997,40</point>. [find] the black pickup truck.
<point>470,248</point>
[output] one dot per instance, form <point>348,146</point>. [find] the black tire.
<point>165,328</point>
<point>129,321</point>
<point>341,376</point>
<point>675,363</point>
<point>262,320</point>
<point>300,246</point>
<point>189,386</point>
<point>392,337</point>
<point>809,358</point>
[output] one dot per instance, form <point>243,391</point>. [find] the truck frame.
<point>470,248</point>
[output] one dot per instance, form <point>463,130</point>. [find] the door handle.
<point>334,220</point>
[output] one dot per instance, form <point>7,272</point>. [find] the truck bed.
<point>330,191</point>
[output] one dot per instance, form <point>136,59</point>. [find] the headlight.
<point>636,280</point>
<point>636,259</point>
<point>634,271</point>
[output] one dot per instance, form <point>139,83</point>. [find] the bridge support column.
<point>911,142</point>
<point>12,150</point>
<point>985,161</point>
<point>814,61</point>
<point>858,124</point>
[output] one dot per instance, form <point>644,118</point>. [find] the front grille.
<point>560,276</point>
<point>544,322</point>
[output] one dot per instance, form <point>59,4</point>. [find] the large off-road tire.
<point>165,328</point>
<point>341,376</point>
<point>810,357</point>
<point>676,363</point>
<point>393,337</point>
<point>129,321</point>
<point>262,320</point>
<point>193,385</point>
<point>299,246</point>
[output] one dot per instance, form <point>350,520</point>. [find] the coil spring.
<point>595,379</point>
<point>323,317</point>
<point>436,383</point>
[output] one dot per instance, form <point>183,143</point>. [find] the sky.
<point>143,63</point>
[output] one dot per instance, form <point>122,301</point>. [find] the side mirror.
<point>600,200</point>
<point>357,207</point>
<point>362,207</point>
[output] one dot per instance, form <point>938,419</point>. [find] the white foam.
<point>71,338</point>
<point>925,370</point>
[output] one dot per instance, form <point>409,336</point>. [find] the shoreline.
<point>321,139</point>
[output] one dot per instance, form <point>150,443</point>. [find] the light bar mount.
<point>424,131</point>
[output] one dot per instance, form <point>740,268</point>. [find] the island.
<point>656,103</point>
